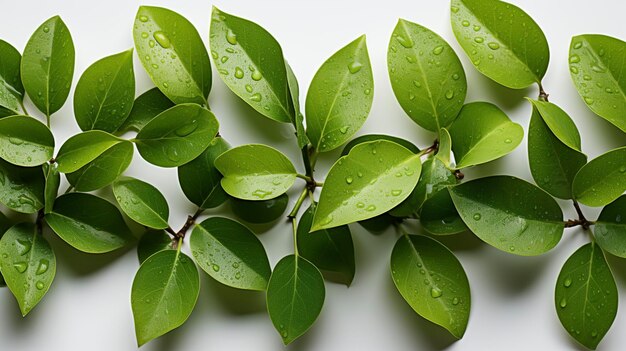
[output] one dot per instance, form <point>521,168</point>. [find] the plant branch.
<point>581,221</point>
<point>543,96</point>
<point>39,221</point>
<point>434,148</point>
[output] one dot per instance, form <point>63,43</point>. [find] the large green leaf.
<point>24,141</point>
<point>11,88</point>
<point>255,172</point>
<point>597,65</point>
<point>340,97</point>
<point>371,180</point>
<point>259,212</point>
<point>88,223</point>
<point>27,263</point>
<point>21,188</point>
<point>610,228</point>
<point>501,40</point>
<point>83,148</point>
<point>426,75</point>
<point>510,214</point>
<point>48,65</point>
<point>147,106</point>
<point>295,296</point>
<point>151,242</point>
<point>585,297</point>
<point>482,133</point>
<point>602,180</point>
<point>439,216</point>
<point>172,52</point>
<point>251,63</point>
<point>164,293</point>
<point>431,279</point>
<point>105,92</point>
<point>142,202</point>
<point>51,187</point>
<point>230,253</point>
<point>104,169</point>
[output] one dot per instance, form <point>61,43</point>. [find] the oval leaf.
<point>147,106</point>
<point>51,187</point>
<point>602,180</point>
<point>24,141</point>
<point>83,148</point>
<point>11,89</point>
<point>21,188</point>
<point>142,202</point>
<point>259,212</point>
<point>559,122</point>
<point>104,169</point>
<point>151,242</point>
<point>445,146</point>
<point>610,228</point>
<point>439,216</point>
<point>373,137</point>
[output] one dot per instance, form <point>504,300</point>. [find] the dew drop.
<point>370,208</point>
<point>187,129</point>
<point>360,205</point>
<point>479,39</point>
<point>567,283</point>
<point>23,246</point>
<point>477,216</point>
<point>396,192</point>
<point>493,46</point>
<point>455,76</point>
<point>256,97</point>
<point>349,180</point>
<point>449,94</point>
<point>438,50</point>
<point>46,29</point>
<point>256,75</point>
<point>16,141</point>
<point>507,141</point>
<point>589,100</point>
<point>343,130</point>
<point>465,23</point>
<point>578,45</point>
<point>476,28</point>
<point>407,43</point>
<point>574,58</point>
<point>261,193</point>
<point>172,154</point>
<point>151,43</point>
<point>573,69</point>
<point>249,88</point>
<point>435,292</point>
<point>622,169</point>
<point>355,66</point>
<point>39,285</point>
<point>43,266</point>
<point>231,37</point>
<point>563,303</point>
<point>162,39</point>
<point>454,9</point>
<point>143,18</point>
<point>20,266</point>
<point>455,301</point>
<point>224,59</point>
<point>215,267</point>
<point>238,73</point>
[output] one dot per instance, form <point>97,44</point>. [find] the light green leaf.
<point>142,202</point>
<point>172,52</point>
<point>373,137</point>
<point>105,92</point>
<point>164,293</point>
<point>298,122</point>
<point>48,65</point>
<point>610,228</point>
<point>177,135</point>
<point>295,296</point>
<point>559,122</point>
<point>340,97</point>
<point>21,188</point>
<point>510,214</point>
<point>440,217</point>
<point>586,296</point>
<point>371,180</point>
<point>27,263</point>
<point>602,180</point>
<point>11,88</point>
<point>597,65</point>
<point>24,141</point>
<point>445,147</point>
<point>255,172</point>
<point>104,169</point>
<point>51,187</point>
<point>483,133</point>
<point>259,212</point>
<point>426,75</point>
<point>432,281</point>
<point>231,254</point>
<point>83,148</point>
<point>151,242</point>
<point>147,106</point>
<point>88,223</point>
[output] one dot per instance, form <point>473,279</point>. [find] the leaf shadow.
<point>16,325</point>
<point>233,301</point>
<point>503,97</point>
<point>465,241</point>
<point>513,274</point>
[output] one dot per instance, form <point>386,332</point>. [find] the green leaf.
<point>51,187</point>
<point>104,169</point>
<point>440,217</point>
<point>445,146</point>
<point>88,223</point>
<point>11,89</point>
<point>295,296</point>
<point>177,135</point>
<point>24,141</point>
<point>331,250</point>
<point>48,65</point>
<point>27,263</point>
<point>142,202</point>
<point>231,254</point>
<point>255,172</point>
<point>432,281</point>
<point>151,242</point>
<point>164,293</point>
<point>553,164</point>
<point>5,224</point>
<point>596,66</point>
<point>610,228</point>
<point>426,75</point>
<point>340,97</point>
<point>259,212</point>
<point>147,106</point>
<point>483,133</point>
<point>602,180</point>
<point>83,148</point>
<point>294,89</point>
<point>373,137</point>
<point>200,180</point>
<point>510,214</point>
<point>172,52</point>
<point>501,40</point>
<point>559,122</point>
<point>105,92</point>
<point>585,297</point>
<point>378,224</point>
<point>251,63</point>
<point>372,179</point>
<point>21,188</point>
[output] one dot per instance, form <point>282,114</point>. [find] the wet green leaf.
<point>298,122</point>
<point>11,88</point>
<point>440,217</point>
<point>142,202</point>
<point>83,148</point>
<point>21,188</point>
<point>151,242</point>
<point>51,187</point>
<point>559,122</point>
<point>373,137</point>
<point>104,169</point>
<point>24,141</point>
<point>602,180</point>
<point>5,224</point>
<point>259,212</point>
<point>610,228</point>
<point>147,106</point>
<point>445,146</point>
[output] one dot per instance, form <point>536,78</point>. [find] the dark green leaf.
<point>21,188</point>
<point>142,202</point>
<point>5,224</point>
<point>602,180</point>
<point>51,188</point>
<point>259,212</point>
<point>11,89</point>
<point>373,137</point>
<point>303,139</point>
<point>151,242</point>
<point>147,106</point>
<point>104,169</point>
<point>610,228</point>
<point>24,141</point>
<point>440,217</point>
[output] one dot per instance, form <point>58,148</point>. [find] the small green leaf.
<point>303,139</point>
<point>164,293</point>
<point>231,254</point>
<point>340,97</point>
<point>553,164</point>
<point>372,179</point>
<point>510,214</point>
<point>24,141</point>
<point>5,224</point>
<point>432,281</point>
<point>559,122</point>
<point>200,180</point>
<point>105,92</point>
<point>151,242</point>
<point>251,63</point>
<point>88,223</point>
<point>259,212</point>
<point>27,263</point>
<point>255,172</point>
<point>600,59</point>
<point>48,65</point>
<point>426,75</point>
<point>11,89</point>
<point>147,106</point>
<point>501,40</point>
<point>51,187</point>
<point>142,202</point>
<point>83,148</point>
<point>602,180</point>
<point>483,133</point>
<point>373,137</point>
<point>172,52</point>
<point>440,217</point>
<point>21,188</point>
<point>104,169</point>
<point>295,296</point>
<point>445,146</point>
<point>177,135</point>
<point>610,228</point>
<point>585,297</point>
<point>378,224</point>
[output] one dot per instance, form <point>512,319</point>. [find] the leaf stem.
<point>48,120</point>
<point>294,227</point>
<point>39,222</point>
<point>24,108</point>
<point>543,96</point>
<point>302,176</point>
<point>294,212</point>
<point>431,149</point>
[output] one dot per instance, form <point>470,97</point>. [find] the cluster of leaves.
<point>379,181</point>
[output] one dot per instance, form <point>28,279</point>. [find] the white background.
<point>88,305</point>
